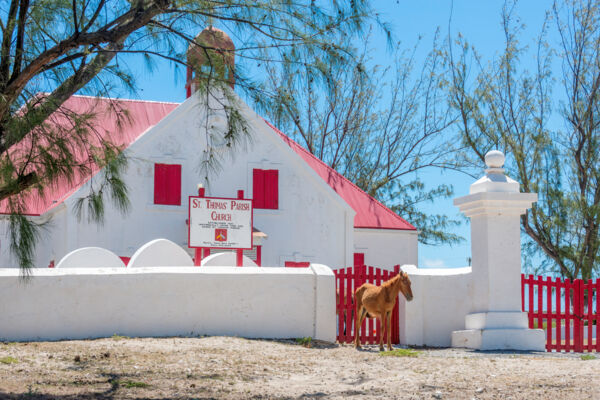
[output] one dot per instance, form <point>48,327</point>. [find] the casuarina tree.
<point>52,49</point>
<point>378,126</point>
<point>546,118</point>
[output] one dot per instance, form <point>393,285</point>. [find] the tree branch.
<point>69,87</point>
<point>6,40</point>
<point>23,182</point>
<point>23,9</point>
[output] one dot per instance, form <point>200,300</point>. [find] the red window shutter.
<point>258,188</point>
<point>167,184</point>
<point>272,189</point>
<point>265,188</point>
<point>174,185</point>
<point>160,179</point>
<point>359,259</point>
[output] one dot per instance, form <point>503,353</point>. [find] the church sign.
<point>220,223</point>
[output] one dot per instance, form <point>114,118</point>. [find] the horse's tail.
<point>357,298</point>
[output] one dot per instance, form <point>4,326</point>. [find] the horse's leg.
<point>389,329</point>
<point>356,327</point>
<point>381,330</point>
<point>357,308</point>
<point>359,318</point>
<point>357,313</point>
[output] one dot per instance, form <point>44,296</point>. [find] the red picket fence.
<point>568,311</point>
<point>347,281</point>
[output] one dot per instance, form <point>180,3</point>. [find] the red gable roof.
<point>141,115</point>
<point>370,213</point>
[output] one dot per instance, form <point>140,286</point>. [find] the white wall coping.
<point>413,270</point>
<point>314,269</point>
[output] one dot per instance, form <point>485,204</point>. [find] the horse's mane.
<point>391,281</point>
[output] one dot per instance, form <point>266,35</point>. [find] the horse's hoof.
<point>381,349</point>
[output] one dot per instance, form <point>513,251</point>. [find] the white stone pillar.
<point>496,321</point>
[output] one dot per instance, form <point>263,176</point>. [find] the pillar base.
<point>505,330</point>
<point>500,339</point>
<point>496,320</point>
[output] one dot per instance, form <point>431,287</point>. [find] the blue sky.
<point>479,23</point>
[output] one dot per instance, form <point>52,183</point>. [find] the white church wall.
<point>167,143</point>
<point>311,223</point>
<point>168,301</point>
<point>385,248</point>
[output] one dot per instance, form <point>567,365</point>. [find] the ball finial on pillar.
<point>494,159</point>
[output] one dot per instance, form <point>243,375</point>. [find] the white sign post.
<point>221,223</point>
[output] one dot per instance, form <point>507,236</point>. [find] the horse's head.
<point>404,282</point>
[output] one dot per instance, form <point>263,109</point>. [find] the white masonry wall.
<point>441,299</point>
<point>168,301</point>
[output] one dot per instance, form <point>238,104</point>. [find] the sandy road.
<point>235,368</point>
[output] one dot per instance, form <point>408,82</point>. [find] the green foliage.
<point>24,234</point>
<point>8,360</point>
<point>400,353</point>
<point>52,49</point>
<point>552,141</point>
<point>221,142</point>
<point>587,357</point>
<point>304,341</point>
<point>433,228</point>
<point>378,127</point>
<point>119,337</point>
<point>111,185</point>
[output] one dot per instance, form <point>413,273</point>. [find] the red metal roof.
<point>370,213</point>
<point>140,115</point>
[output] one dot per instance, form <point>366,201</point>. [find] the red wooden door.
<point>347,281</point>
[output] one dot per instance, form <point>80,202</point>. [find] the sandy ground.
<point>234,368</point>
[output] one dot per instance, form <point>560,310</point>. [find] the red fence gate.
<point>569,312</point>
<point>347,280</point>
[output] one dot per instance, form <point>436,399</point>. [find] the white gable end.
<point>312,222</point>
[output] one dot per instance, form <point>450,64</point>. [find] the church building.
<point>303,210</point>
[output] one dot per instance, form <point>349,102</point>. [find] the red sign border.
<point>221,198</point>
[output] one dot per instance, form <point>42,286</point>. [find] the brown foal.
<point>378,302</point>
